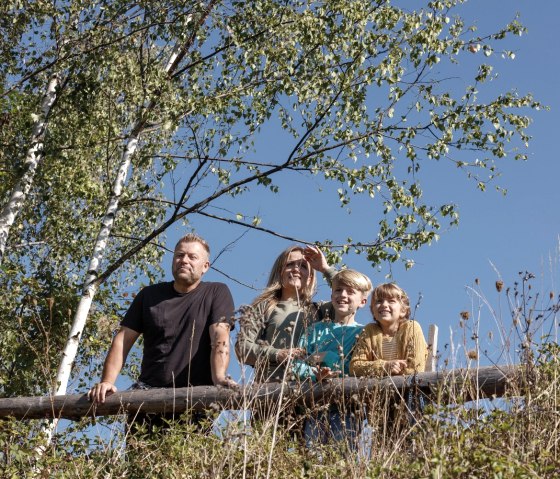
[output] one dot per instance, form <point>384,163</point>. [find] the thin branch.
<point>228,246</point>
<point>231,278</point>
<point>253,227</point>
<point>134,238</point>
<point>203,203</point>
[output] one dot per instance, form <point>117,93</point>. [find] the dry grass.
<point>517,436</point>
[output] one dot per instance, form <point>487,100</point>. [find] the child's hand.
<point>396,367</point>
<point>294,353</point>
<point>323,373</point>
<point>316,258</point>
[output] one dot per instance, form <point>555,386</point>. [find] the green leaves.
<point>361,92</point>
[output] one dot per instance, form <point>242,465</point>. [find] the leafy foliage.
<point>355,85</point>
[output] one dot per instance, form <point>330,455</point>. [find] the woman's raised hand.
<point>316,258</point>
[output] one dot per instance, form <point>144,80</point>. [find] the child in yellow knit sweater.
<point>393,344</point>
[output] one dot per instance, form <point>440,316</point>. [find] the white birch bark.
<point>32,159</point>
<point>90,286</point>
<point>89,289</point>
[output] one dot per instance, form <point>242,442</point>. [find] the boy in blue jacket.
<point>328,345</point>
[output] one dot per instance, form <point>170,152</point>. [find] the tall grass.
<point>517,436</point>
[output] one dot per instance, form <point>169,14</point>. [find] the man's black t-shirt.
<point>176,326</point>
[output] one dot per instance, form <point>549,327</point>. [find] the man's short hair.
<point>194,238</point>
<point>353,279</point>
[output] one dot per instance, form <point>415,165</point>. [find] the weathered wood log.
<point>456,385</point>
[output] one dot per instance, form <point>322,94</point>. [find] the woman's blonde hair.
<point>390,291</point>
<point>273,291</point>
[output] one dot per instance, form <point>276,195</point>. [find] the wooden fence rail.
<point>452,385</point>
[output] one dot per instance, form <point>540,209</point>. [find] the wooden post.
<point>431,364</point>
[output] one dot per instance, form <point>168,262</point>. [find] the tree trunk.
<point>90,283</point>
<point>32,159</point>
<point>90,286</point>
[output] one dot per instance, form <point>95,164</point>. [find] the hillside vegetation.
<point>517,436</point>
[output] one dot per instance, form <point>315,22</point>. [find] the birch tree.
<point>32,159</point>
<point>356,85</point>
<point>27,58</point>
<point>59,215</point>
<point>90,285</point>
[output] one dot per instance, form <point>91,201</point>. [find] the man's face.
<point>190,262</point>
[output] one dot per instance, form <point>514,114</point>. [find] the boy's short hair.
<point>390,291</point>
<point>354,279</point>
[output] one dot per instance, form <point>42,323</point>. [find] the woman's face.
<point>295,274</point>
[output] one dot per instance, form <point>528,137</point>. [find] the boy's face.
<point>346,300</point>
<point>387,310</point>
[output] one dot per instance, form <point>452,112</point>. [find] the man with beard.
<point>186,325</point>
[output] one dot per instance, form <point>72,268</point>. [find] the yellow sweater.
<point>367,359</point>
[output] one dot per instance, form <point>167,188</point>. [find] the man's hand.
<point>226,382</point>
<point>100,391</point>
<point>284,355</point>
<point>122,342</point>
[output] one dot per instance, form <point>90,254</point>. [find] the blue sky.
<point>498,236</point>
